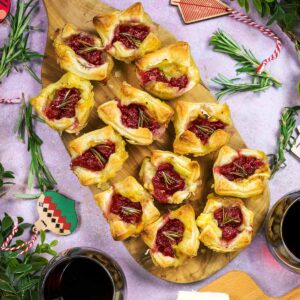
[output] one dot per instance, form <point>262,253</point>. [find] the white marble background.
<point>255,115</point>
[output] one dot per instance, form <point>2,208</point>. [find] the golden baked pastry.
<point>169,72</point>
<point>127,207</point>
<point>82,53</point>
<point>201,128</point>
<point>225,224</point>
<point>170,178</point>
<point>136,115</point>
<point>173,238</point>
<point>127,34</point>
<point>66,104</point>
<point>97,156</point>
<point>240,173</point>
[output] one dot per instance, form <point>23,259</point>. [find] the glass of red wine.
<point>82,273</point>
<point>282,225</point>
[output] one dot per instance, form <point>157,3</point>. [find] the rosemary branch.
<point>285,139</point>
<point>37,168</point>
<point>15,50</point>
<point>246,63</point>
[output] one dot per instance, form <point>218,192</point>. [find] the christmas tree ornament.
<point>4,9</point>
<point>57,214</point>
<point>198,10</point>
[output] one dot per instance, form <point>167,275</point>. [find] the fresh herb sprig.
<point>246,63</point>
<point>38,168</point>
<point>285,139</point>
<point>5,174</point>
<point>15,50</point>
<point>19,276</point>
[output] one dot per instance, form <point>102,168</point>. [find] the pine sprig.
<point>38,168</point>
<point>5,174</point>
<point>15,50</point>
<point>20,276</point>
<point>285,139</point>
<point>246,63</point>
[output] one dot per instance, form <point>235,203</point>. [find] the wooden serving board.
<point>207,262</point>
<point>240,286</point>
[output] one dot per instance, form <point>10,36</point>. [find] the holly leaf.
<point>6,286</point>
<point>258,6</point>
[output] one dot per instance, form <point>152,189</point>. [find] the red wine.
<point>290,227</point>
<point>78,278</point>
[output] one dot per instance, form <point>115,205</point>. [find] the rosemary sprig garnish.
<point>131,38</point>
<point>167,178</point>
<point>15,50</point>
<point>205,129</point>
<point>98,155</point>
<point>246,62</point>
<point>285,139</point>
<point>242,172</point>
<point>37,168</point>
<point>130,210</point>
<point>67,99</point>
<point>172,235</point>
<point>226,219</point>
<point>88,47</point>
<point>143,119</point>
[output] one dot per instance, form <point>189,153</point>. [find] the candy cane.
<point>27,244</point>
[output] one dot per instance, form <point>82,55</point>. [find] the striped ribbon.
<point>27,244</point>
<point>266,31</point>
<point>10,101</point>
<point>246,20</point>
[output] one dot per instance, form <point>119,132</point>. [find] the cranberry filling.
<point>203,128</point>
<point>229,219</point>
<point>240,168</point>
<point>128,211</point>
<point>169,234</point>
<point>131,36</point>
<point>95,158</point>
<point>135,115</point>
<point>63,105</point>
<point>166,182</point>
<point>157,75</point>
<point>84,46</point>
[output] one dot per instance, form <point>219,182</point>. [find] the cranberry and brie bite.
<point>169,72</point>
<point>82,53</point>
<point>201,128</point>
<point>127,207</point>
<point>66,104</point>
<point>240,173</point>
<point>97,156</point>
<point>170,178</point>
<point>173,238</point>
<point>136,115</point>
<point>129,34</point>
<point>226,224</point>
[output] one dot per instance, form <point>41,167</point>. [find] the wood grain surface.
<point>240,286</point>
<point>81,13</point>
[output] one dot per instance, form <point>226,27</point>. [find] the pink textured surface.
<point>255,115</point>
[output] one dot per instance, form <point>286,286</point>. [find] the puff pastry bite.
<point>127,207</point>
<point>240,173</point>
<point>201,128</point>
<point>97,156</point>
<point>127,34</point>
<point>66,104</point>
<point>170,178</point>
<point>225,224</point>
<point>173,238</point>
<point>82,53</point>
<point>169,72</point>
<point>136,115</point>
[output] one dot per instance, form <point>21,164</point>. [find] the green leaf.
<point>23,268</point>
<point>6,223</point>
<point>298,87</point>
<point>11,297</point>
<point>42,236</point>
<point>258,5</point>
<point>54,243</point>
<point>6,286</point>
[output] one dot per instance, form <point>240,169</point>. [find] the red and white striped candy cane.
<point>27,244</point>
<point>266,31</point>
